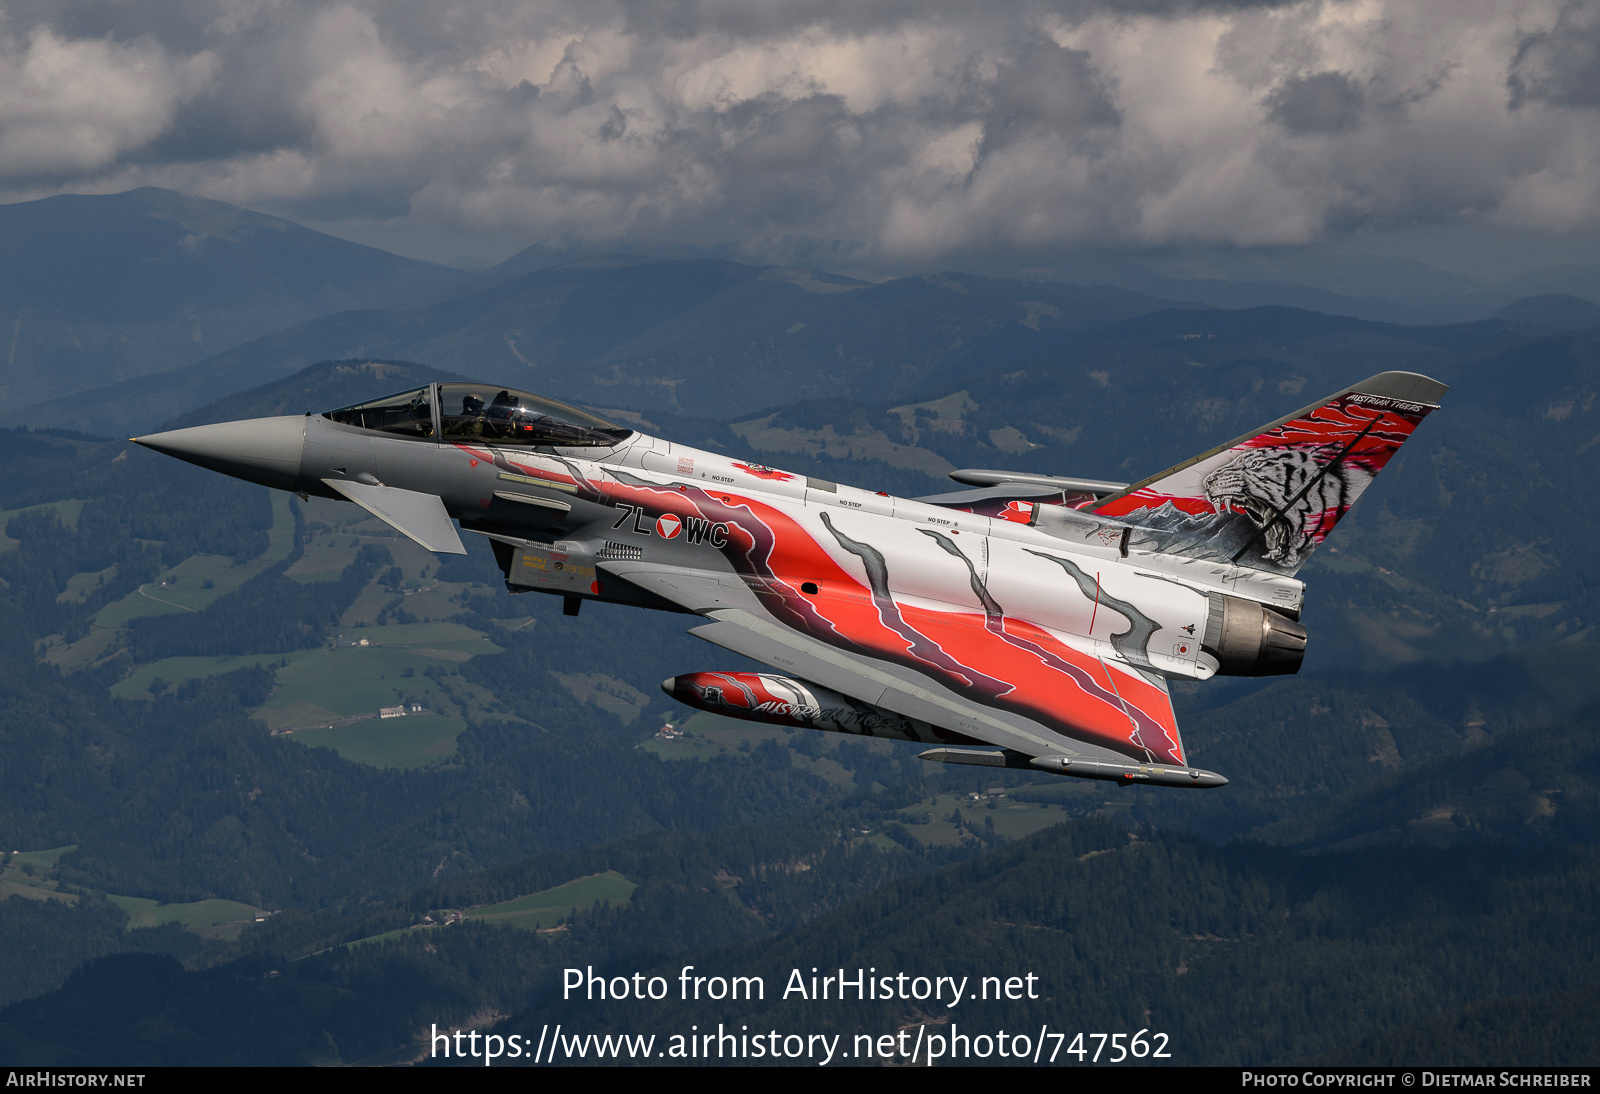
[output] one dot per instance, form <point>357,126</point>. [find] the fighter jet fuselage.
<point>1039,614</point>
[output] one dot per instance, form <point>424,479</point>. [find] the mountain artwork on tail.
<point>1268,498</point>
<point>1032,621</point>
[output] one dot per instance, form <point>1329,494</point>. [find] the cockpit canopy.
<point>482,412</point>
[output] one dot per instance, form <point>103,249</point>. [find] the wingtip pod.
<point>1124,774</point>
<point>1127,774</point>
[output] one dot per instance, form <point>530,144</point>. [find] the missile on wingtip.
<point>1124,774</point>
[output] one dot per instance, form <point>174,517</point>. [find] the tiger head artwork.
<point>1294,495</point>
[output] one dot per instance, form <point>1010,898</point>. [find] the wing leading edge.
<point>1101,714</point>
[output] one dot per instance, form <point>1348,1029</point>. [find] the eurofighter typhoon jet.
<point>1029,621</point>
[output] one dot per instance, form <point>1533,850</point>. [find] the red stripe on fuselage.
<point>955,648</point>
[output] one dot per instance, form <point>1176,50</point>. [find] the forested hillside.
<point>211,823</point>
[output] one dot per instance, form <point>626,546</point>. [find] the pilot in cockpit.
<point>470,423</point>
<point>505,414</point>
<point>502,413</point>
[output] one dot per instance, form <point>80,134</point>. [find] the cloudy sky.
<point>916,132</point>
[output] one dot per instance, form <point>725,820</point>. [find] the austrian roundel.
<point>668,526</point>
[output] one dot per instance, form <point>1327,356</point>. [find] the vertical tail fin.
<point>1267,499</point>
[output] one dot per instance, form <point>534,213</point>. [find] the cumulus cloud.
<point>1328,102</point>
<point>71,108</point>
<point>918,130</point>
<point>1559,64</point>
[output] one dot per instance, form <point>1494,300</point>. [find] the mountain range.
<point>126,310</point>
<point>219,854</point>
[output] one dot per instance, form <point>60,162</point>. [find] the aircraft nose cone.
<point>263,450</point>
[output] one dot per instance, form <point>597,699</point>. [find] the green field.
<point>280,537</point>
<point>535,911</point>
<point>435,600</point>
<point>143,601</point>
<point>446,636</point>
<point>545,909</point>
<point>185,584</point>
<point>100,642</point>
<point>1011,818</point>
<point>216,920</point>
<point>67,510</point>
<point>334,538</point>
<point>323,685</point>
<point>41,860</point>
<point>212,918</point>
<point>517,624</point>
<point>81,586</point>
<point>606,692</point>
<point>711,735</point>
<point>337,530</point>
<point>31,874</point>
<point>413,741</point>
<point>143,912</point>
<point>28,888</point>
<point>172,669</point>
<point>323,558</point>
<point>330,684</point>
